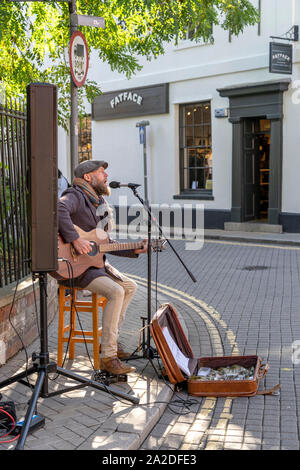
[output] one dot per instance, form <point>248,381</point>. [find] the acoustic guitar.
<point>99,241</point>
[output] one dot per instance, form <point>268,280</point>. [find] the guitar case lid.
<point>166,317</point>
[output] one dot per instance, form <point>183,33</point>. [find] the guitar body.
<point>100,244</point>
<point>80,263</point>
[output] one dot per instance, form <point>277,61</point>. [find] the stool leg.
<point>72,325</point>
<point>61,324</point>
<point>95,332</point>
<point>104,300</point>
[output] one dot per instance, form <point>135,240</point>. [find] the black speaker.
<point>42,175</point>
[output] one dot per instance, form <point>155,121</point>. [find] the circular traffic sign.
<point>79,58</point>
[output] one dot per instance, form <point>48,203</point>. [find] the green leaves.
<point>34,37</point>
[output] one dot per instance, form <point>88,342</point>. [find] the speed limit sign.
<point>79,58</point>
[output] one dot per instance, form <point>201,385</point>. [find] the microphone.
<point>117,184</point>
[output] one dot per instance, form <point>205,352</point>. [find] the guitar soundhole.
<point>94,249</point>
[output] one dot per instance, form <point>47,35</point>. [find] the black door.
<point>251,170</point>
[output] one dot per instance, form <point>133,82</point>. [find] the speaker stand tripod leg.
<point>97,385</point>
<point>30,410</point>
<point>18,377</point>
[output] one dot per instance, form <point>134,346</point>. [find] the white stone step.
<point>252,227</point>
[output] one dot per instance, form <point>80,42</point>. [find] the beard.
<point>100,188</point>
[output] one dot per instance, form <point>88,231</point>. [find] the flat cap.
<point>88,166</point>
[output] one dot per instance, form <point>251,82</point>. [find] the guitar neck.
<point>108,247</point>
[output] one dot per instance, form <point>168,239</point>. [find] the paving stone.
<point>214,446</point>
<point>193,437</point>
<point>179,428</point>
<point>173,441</point>
<point>152,443</point>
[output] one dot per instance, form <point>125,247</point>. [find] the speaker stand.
<point>43,367</point>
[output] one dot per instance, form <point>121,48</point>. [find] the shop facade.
<point>223,131</point>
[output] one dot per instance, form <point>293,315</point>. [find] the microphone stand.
<point>148,351</point>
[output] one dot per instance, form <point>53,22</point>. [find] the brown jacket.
<point>74,207</point>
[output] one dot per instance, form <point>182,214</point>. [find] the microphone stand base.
<point>147,353</point>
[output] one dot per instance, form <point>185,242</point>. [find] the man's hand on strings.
<point>82,246</point>
<point>144,249</point>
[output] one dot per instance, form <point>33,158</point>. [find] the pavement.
<point>291,239</point>
<point>89,419</point>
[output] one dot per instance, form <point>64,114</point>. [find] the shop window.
<point>85,138</point>
<point>195,149</point>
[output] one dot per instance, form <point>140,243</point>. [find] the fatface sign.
<point>281,58</point>
<point>132,102</point>
<point>126,96</point>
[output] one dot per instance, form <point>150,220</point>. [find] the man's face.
<point>98,180</point>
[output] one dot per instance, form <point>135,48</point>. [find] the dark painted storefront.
<point>256,115</point>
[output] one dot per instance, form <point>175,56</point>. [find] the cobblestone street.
<point>246,301</point>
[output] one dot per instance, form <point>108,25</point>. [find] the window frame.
<point>188,42</point>
<point>198,193</point>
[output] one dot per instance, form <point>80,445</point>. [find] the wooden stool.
<point>78,336</point>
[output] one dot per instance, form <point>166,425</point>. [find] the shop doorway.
<point>256,174</point>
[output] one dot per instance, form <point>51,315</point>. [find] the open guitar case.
<point>167,317</point>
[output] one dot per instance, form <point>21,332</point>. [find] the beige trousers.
<point>119,294</point>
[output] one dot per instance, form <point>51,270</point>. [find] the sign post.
<point>74,105</point>
<point>79,62</point>
<point>142,134</point>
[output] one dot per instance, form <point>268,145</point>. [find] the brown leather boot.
<point>121,353</point>
<point>113,365</point>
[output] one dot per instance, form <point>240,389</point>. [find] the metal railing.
<point>14,234</point>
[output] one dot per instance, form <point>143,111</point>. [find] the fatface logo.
<point>126,96</point>
<point>280,56</point>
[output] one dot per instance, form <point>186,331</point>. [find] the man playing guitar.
<point>80,205</point>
